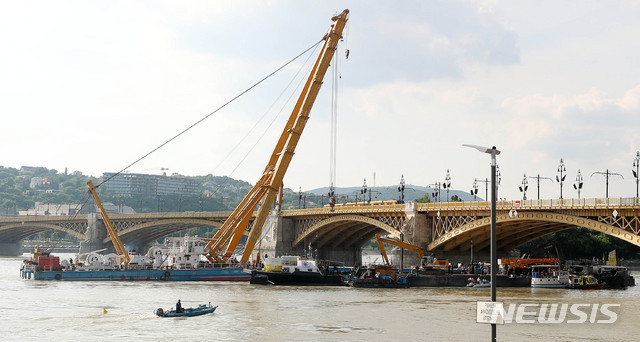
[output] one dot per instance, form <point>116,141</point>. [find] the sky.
<point>92,86</point>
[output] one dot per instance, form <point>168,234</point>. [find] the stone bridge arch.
<point>343,230</point>
<point>19,231</point>
<point>514,231</point>
<point>152,230</point>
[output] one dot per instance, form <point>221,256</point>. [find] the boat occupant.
<point>178,306</point>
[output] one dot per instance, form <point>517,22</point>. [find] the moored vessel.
<point>183,261</point>
<point>378,276</point>
<point>584,282</point>
<point>295,270</point>
<point>549,277</point>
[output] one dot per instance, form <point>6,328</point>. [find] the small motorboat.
<point>202,309</point>
<point>478,283</point>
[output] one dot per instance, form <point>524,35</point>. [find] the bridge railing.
<point>570,203</point>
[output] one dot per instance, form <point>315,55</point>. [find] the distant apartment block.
<point>150,185</point>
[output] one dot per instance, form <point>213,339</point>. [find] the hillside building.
<point>129,184</point>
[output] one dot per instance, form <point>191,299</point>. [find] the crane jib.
<point>265,191</point>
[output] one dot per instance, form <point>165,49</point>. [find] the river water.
<point>74,311</point>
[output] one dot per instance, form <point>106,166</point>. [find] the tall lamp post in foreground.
<point>494,260</point>
<point>636,172</point>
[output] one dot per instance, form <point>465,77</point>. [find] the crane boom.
<point>398,243</point>
<point>226,239</point>
<point>117,243</point>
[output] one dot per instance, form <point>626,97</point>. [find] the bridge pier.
<point>11,248</point>
<point>277,239</point>
<point>96,233</point>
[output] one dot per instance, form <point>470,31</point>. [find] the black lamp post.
<point>447,183</point>
<point>299,197</point>
<point>486,188</point>
<point>436,192</point>
<point>578,184</point>
<point>364,190</point>
<point>636,172</point>
<point>474,190</point>
<point>538,178</point>
<point>561,170</point>
<point>606,175</point>
<point>494,259</point>
<point>524,187</point>
<point>401,189</point>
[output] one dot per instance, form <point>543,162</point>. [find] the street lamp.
<point>474,190</point>
<point>538,178</point>
<point>494,260</point>
<point>561,170</point>
<point>524,187</point>
<point>447,183</point>
<point>578,184</point>
<point>606,175</point>
<point>299,197</point>
<point>436,191</point>
<point>363,191</point>
<point>401,189</point>
<point>636,172</point>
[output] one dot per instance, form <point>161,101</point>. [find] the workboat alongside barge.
<point>185,262</point>
<point>294,270</point>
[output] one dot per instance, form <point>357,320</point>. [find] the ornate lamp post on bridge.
<point>524,187</point>
<point>636,172</point>
<point>401,189</point>
<point>474,190</point>
<point>494,259</point>
<point>299,197</point>
<point>436,191</point>
<point>364,190</point>
<point>606,175</point>
<point>578,184</point>
<point>561,170</point>
<point>447,183</point>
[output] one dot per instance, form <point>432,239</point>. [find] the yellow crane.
<point>226,239</point>
<point>117,243</point>
<point>398,243</point>
<point>425,261</point>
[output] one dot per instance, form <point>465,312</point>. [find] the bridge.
<point>447,228</point>
<point>141,229</point>
<point>451,228</point>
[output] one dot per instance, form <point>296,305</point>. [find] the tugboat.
<point>295,270</point>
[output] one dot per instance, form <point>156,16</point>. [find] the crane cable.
<point>210,114</point>
<point>263,116</point>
